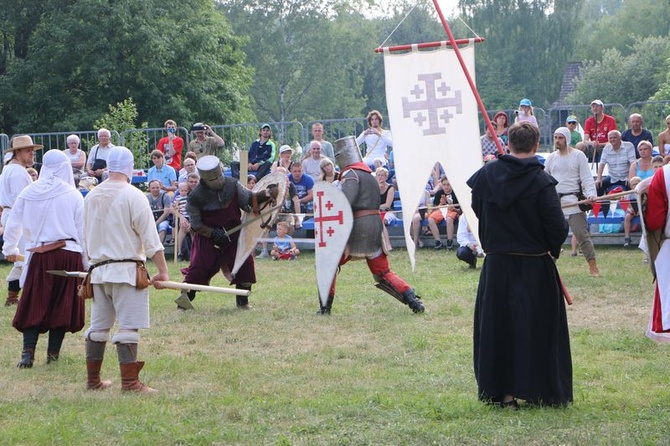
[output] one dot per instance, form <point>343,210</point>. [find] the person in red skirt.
<point>49,215</point>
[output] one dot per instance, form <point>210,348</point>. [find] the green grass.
<point>372,373</point>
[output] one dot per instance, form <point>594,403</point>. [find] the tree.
<point>177,59</point>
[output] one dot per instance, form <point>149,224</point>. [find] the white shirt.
<point>375,145</point>
<point>13,180</point>
<point>569,170</point>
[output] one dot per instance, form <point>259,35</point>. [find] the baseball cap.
<point>597,102</point>
<point>285,148</point>
<point>525,102</point>
<point>571,118</point>
<point>265,125</point>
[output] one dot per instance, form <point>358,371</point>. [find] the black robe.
<point>521,339</point>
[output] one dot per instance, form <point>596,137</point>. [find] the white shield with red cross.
<point>333,220</point>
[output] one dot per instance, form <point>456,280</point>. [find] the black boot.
<point>413,301</point>
<point>27,358</point>
<point>243,301</point>
<point>326,309</point>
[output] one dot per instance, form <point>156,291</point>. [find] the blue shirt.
<point>166,175</point>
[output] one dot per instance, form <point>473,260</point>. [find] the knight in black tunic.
<point>521,339</point>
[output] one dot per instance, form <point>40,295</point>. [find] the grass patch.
<point>371,373</point>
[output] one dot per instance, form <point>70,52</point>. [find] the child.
<point>183,219</point>
<point>283,248</point>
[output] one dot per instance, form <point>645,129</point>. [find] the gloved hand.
<point>219,236</point>
<point>272,191</point>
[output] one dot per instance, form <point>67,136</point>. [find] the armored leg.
<point>242,302</point>
<point>392,284</point>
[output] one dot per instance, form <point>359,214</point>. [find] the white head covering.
<point>55,178</point>
<point>121,160</point>
<point>565,132</point>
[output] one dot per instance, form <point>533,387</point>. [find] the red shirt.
<point>604,127</point>
<point>657,204</point>
<point>177,145</point>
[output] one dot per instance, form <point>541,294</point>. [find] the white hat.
<point>285,148</point>
<point>565,132</point>
<point>121,160</point>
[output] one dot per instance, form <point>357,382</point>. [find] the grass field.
<point>372,373</point>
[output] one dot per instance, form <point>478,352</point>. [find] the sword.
<point>164,283</point>
<point>241,226</point>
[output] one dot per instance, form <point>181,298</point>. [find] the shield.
<point>333,220</point>
<point>255,230</point>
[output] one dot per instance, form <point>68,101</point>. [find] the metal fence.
<point>240,136</point>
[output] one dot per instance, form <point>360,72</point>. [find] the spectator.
<point>636,132</point>
<point>312,163</point>
<point>326,147</point>
<point>303,186</point>
<point>618,156</point>
<point>444,199</point>
<point>251,182</point>
<point>488,142</point>
<point>328,172</point>
<point>500,119</point>
<point>570,168</point>
<point>643,167</point>
<point>189,168</point>
<point>76,156</point>
<point>575,135</point>
<point>96,165</point>
<point>420,213</point>
<point>386,196</point>
<point>291,205</point>
<point>160,207</point>
<point>283,247</point>
<point>163,173</point>
<point>596,131</point>
<point>206,141</point>
<point>377,140</point>
<point>468,246</point>
<point>183,222</point>
<point>193,179</point>
<point>664,140</point>
<point>525,112</point>
<point>284,160</point>
<point>262,154</point>
<point>171,146</point>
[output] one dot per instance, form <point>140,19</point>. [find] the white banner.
<point>434,117</point>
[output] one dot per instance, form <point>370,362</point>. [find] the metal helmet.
<point>347,151</point>
<point>211,172</point>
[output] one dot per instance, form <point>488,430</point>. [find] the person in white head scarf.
<point>49,215</point>
<point>119,231</point>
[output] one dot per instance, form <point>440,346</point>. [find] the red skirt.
<point>49,301</point>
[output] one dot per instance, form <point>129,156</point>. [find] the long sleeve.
<point>657,204</point>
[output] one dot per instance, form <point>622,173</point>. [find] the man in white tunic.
<point>13,180</point>
<point>570,168</point>
<point>119,230</point>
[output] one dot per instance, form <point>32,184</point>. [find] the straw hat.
<point>23,142</point>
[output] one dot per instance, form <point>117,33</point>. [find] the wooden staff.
<point>601,198</point>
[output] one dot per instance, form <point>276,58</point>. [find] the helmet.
<point>347,151</point>
<point>211,172</point>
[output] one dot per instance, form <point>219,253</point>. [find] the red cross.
<point>330,218</point>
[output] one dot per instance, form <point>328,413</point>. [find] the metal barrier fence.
<point>240,136</point>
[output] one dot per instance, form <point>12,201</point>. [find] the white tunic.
<point>569,170</point>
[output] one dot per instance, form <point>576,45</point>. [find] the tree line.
<point>63,62</point>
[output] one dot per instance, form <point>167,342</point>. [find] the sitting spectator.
<point>575,135</point>
<point>287,213</point>
<point>251,181</point>
<point>643,167</point>
<point>618,156</point>
<point>488,142</point>
<point>262,154</point>
<point>445,199</point>
<point>162,172</point>
<point>96,164</point>
<point>193,179</point>
<point>632,211</point>
<point>160,206</point>
<point>171,146</point>
<point>284,160</point>
<point>502,124</point>
<point>311,164</point>
<point>525,112</point>
<point>636,132</point>
<point>596,131</point>
<point>377,140</point>
<point>76,156</point>
<point>183,222</point>
<point>303,186</point>
<point>386,196</point>
<point>33,173</point>
<point>283,247</point>
<point>206,141</point>
<point>420,213</point>
<point>328,172</point>
<point>664,141</point>
<point>189,168</point>
<point>326,147</point>
<point>468,247</point>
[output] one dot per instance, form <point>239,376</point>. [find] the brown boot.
<point>12,298</point>
<point>593,268</point>
<point>94,381</point>
<point>130,380</point>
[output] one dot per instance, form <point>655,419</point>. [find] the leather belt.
<point>365,212</point>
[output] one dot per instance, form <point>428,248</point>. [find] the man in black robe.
<point>521,339</point>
